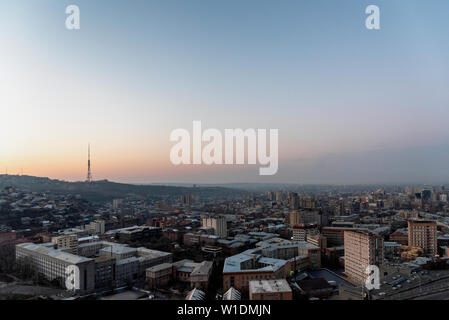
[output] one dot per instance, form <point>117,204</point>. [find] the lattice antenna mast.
<point>89,173</point>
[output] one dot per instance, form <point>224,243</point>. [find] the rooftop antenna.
<point>89,174</point>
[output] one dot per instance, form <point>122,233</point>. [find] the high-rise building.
<point>293,200</point>
<point>186,199</point>
<point>362,249</point>
<point>279,196</point>
<point>219,224</point>
<point>116,203</point>
<point>300,217</point>
<point>271,195</point>
<point>423,234</point>
<point>307,202</point>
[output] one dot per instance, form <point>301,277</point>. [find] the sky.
<point>352,105</point>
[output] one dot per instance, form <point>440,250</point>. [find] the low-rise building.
<point>160,275</point>
<point>277,289</point>
<point>53,264</point>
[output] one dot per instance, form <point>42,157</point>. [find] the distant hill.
<point>105,190</point>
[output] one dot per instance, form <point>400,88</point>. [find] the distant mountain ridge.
<point>105,190</point>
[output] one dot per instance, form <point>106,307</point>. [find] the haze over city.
<point>352,105</point>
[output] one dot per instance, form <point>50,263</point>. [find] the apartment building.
<point>423,234</point>
<point>361,250</point>
<point>67,243</point>
<point>300,232</point>
<point>301,217</point>
<point>96,227</point>
<point>219,224</point>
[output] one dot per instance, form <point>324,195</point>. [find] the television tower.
<point>89,174</point>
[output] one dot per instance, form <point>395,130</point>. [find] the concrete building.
<point>318,240</point>
<point>300,232</point>
<point>199,277</point>
<point>335,235</point>
<point>219,224</point>
<point>67,242</point>
<point>104,272</point>
<point>277,289</point>
<point>232,294</point>
<point>199,239</point>
<point>116,203</point>
<point>160,275</point>
<point>148,258</point>
<point>303,217</point>
<point>112,264</point>
<point>96,227</point>
<point>361,250</point>
<point>269,262</point>
<point>196,274</point>
<point>118,252</point>
<point>126,271</point>
<point>423,234</point>
<point>53,264</point>
<point>293,200</point>
<point>138,233</point>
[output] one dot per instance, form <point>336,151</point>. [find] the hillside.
<point>105,190</point>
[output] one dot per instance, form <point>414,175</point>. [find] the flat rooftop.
<point>119,249</point>
<point>160,267</point>
<point>57,254</point>
<point>267,286</point>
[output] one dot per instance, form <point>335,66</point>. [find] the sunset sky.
<point>352,105</point>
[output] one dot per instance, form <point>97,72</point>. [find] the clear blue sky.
<point>139,69</point>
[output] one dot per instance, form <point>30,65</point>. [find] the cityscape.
<point>224,156</point>
<point>304,242</point>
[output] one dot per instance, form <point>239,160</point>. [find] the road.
<point>444,295</point>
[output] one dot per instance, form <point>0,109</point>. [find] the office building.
<point>53,264</point>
